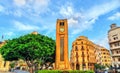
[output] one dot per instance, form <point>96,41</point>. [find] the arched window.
<point>76,43</point>
<point>72,66</point>
<point>76,48</point>
<point>87,49</point>
<point>82,48</point>
<point>77,57</point>
<point>82,54</point>
<point>77,66</point>
<point>77,54</point>
<point>82,42</point>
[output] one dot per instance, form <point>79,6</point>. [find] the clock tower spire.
<point>61,60</point>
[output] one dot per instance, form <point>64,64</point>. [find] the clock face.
<point>61,29</point>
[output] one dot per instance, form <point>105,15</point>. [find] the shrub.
<point>59,71</point>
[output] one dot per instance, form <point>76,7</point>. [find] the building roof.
<point>34,32</point>
<point>113,27</point>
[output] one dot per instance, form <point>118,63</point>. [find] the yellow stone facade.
<point>61,60</point>
<point>4,65</point>
<point>82,54</point>
<point>105,57</point>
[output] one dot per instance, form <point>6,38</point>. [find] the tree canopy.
<point>29,48</point>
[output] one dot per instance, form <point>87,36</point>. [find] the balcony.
<point>113,48</point>
<point>115,55</point>
<point>113,41</point>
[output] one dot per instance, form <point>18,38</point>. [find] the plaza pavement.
<point>16,71</point>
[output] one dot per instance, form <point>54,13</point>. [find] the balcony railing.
<point>114,55</point>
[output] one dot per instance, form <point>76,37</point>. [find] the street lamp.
<point>115,64</point>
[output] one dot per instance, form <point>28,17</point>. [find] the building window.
<point>61,49</point>
<point>77,66</point>
<point>61,23</point>
<point>117,52</point>
<point>76,48</point>
<point>72,65</point>
<point>75,43</point>
<point>81,42</point>
<point>105,60</point>
<point>87,49</point>
<point>88,58</point>
<point>77,54</point>
<point>119,65</point>
<point>109,39</point>
<point>83,64</point>
<point>118,59</point>
<point>115,37</point>
<point>82,54</point>
<point>114,59</point>
<point>117,44</point>
<point>82,48</point>
<point>110,45</point>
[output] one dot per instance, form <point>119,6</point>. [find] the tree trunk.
<point>31,70</point>
<point>31,66</point>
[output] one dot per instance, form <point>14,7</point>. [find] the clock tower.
<point>61,60</point>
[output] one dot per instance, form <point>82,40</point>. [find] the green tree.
<point>12,64</point>
<point>99,67</point>
<point>29,48</point>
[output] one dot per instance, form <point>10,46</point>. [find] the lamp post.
<point>115,67</point>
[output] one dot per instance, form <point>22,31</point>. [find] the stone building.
<point>82,54</point>
<point>98,54</point>
<point>4,65</point>
<point>105,57</point>
<point>114,42</point>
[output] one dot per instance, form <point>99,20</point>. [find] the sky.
<point>90,18</point>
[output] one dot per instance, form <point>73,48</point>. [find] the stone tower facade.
<point>114,42</point>
<point>61,60</point>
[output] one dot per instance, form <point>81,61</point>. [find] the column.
<point>74,66</point>
<point>81,66</point>
<point>86,66</point>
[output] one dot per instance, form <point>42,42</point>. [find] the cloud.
<point>25,8</point>
<point>31,7</point>
<point>17,13</point>
<point>80,21</point>
<point>9,33</point>
<point>102,9</point>
<point>66,11</point>
<point>114,16</point>
<point>72,21</point>
<point>1,8</point>
<point>40,5</point>
<point>19,2</point>
<point>102,41</point>
<point>20,26</point>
